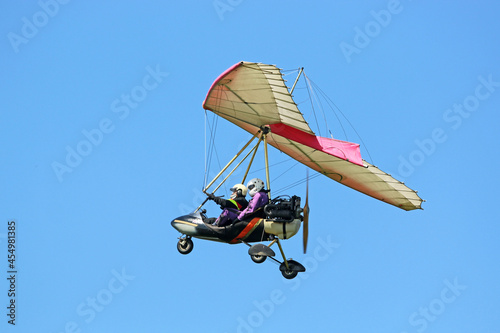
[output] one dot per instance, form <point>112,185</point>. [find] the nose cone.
<point>182,226</point>
<point>185,224</point>
<point>176,224</point>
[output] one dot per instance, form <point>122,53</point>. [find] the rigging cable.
<point>312,107</point>
<point>297,183</point>
<point>212,148</point>
<point>205,151</point>
<point>318,101</point>
<point>330,103</point>
<point>208,148</point>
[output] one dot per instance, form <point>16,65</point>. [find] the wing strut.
<point>296,80</point>
<point>230,162</point>
<point>251,160</point>
<point>262,137</point>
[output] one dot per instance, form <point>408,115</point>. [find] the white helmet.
<point>239,189</point>
<point>255,185</point>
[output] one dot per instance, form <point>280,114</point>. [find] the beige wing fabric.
<point>256,95</point>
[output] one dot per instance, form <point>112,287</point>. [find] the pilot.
<point>257,203</point>
<point>231,207</point>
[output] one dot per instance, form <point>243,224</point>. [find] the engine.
<point>283,209</point>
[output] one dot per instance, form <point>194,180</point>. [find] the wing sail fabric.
<point>341,164</point>
<point>252,95</point>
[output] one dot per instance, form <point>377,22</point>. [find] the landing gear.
<point>289,268</point>
<point>292,270</point>
<point>185,245</point>
<point>260,252</point>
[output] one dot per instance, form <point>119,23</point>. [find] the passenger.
<point>257,203</point>
<point>231,207</point>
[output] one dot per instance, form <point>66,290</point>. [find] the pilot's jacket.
<point>256,204</point>
<point>230,210</point>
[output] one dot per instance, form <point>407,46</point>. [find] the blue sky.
<point>103,145</point>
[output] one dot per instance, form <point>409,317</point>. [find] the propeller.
<point>305,210</point>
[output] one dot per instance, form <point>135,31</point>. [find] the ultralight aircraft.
<point>255,97</point>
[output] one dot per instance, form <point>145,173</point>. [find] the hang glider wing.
<point>252,95</point>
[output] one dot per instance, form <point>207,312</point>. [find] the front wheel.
<point>185,245</point>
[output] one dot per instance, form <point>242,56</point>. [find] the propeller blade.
<point>305,227</point>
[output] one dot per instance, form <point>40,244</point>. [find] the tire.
<point>185,245</point>
<point>289,274</point>
<point>258,259</point>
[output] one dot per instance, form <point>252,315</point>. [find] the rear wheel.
<point>292,270</point>
<point>185,245</point>
<point>258,259</point>
<point>287,274</point>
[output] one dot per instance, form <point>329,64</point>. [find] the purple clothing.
<point>226,217</point>
<point>259,200</point>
